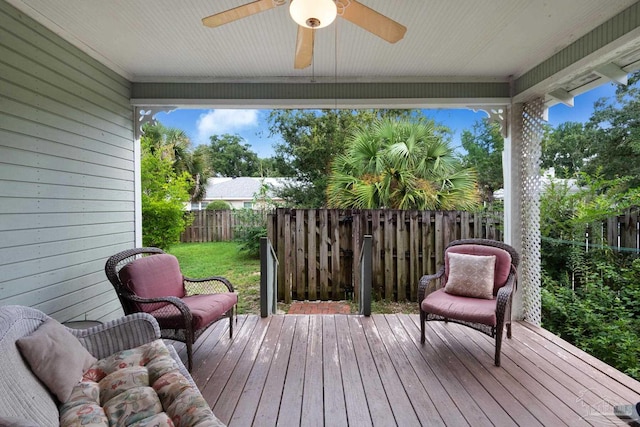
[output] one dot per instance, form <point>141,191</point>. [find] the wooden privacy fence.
<point>219,225</point>
<point>317,249</point>
<point>619,233</point>
<point>210,226</point>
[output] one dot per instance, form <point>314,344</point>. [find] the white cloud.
<point>218,122</point>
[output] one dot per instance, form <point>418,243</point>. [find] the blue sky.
<point>252,126</point>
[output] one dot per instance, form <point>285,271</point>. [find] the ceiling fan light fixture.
<point>313,13</point>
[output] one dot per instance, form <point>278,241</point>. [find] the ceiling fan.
<point>313,14</point>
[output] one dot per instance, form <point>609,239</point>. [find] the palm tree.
<point>400,165</point>
<point>174,144</point>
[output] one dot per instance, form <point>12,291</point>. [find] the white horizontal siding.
<point>23,222</point>
<point>67,175</point>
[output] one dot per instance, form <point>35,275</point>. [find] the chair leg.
<point>231,323</point>
<point>189,355</point>
<point>509,330</point>
<point>498,347</point>
<point>422,322</point>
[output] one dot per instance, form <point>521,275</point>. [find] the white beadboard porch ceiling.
<point>164,40</point>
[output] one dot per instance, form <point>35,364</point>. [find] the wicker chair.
<point>149,280</point>
<point>489,313</point>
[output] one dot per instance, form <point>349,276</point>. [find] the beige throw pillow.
<point>56,357</point>
<point>471,275</point>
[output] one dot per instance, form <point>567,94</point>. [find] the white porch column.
<point>137,185</point>
<point>521,166</point>
<point>511,172</point>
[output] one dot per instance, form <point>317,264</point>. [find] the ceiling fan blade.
<point>239,12</point>
<point>304,47</point>
<point>374,22</point>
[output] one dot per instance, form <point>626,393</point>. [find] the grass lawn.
<point>199,260</point>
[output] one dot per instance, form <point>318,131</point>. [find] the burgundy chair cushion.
<point>205,309</point>
<point>477,310</point>
<point>153,276</point>
<point>502,267</point>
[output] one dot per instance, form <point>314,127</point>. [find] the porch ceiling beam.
<point>323,95</point>
<point>612,72</point>
<point>563,96</point>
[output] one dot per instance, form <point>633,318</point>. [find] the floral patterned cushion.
<point>138,387</point>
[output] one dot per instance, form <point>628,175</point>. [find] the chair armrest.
<point>121,334</point>
<point>207,285</point>
<point>503,299</point>
<point>423,285</point>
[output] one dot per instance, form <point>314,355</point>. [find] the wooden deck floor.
<point>339,370</point>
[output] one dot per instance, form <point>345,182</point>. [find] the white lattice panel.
<point>530,278</point>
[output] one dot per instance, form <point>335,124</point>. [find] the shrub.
<point>218,205</point>
<point>164,194</point>
<point>589,295</point>
<point>252,226</point>
<point>597,320</point>
<point>162,222</point>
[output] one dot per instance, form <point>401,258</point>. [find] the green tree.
<point>230,156</point>
<point>400,164</point>
<point>270,168</point>
<point>200,173</point>
<point>311,139</point>
<point>615,134</point>
<point>484,145</point>
<point>566,148</point>
<point>164,194</point>
<point>174,145</point>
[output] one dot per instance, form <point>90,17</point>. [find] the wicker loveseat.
<point>128,359</point>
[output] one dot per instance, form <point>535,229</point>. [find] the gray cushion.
<point>29,399</point>
<point>56,357</point>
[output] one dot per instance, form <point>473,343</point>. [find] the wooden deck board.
<point>436,393</point>
<point>314,379</point>
<point>334,398</point>
<point>230,393</point>
<point>526,388</point>
<point>269,406</point>
<point>248,401</point>
<point>487,409</point>
<point>377,399</point>
<point>492,396</point>
<point>400,401</point>
<point>354,392</point>
<point>292,394</point>
<point>339,370</point>
<point>425,410</point>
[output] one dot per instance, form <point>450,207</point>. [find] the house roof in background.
<point>241,188</point>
